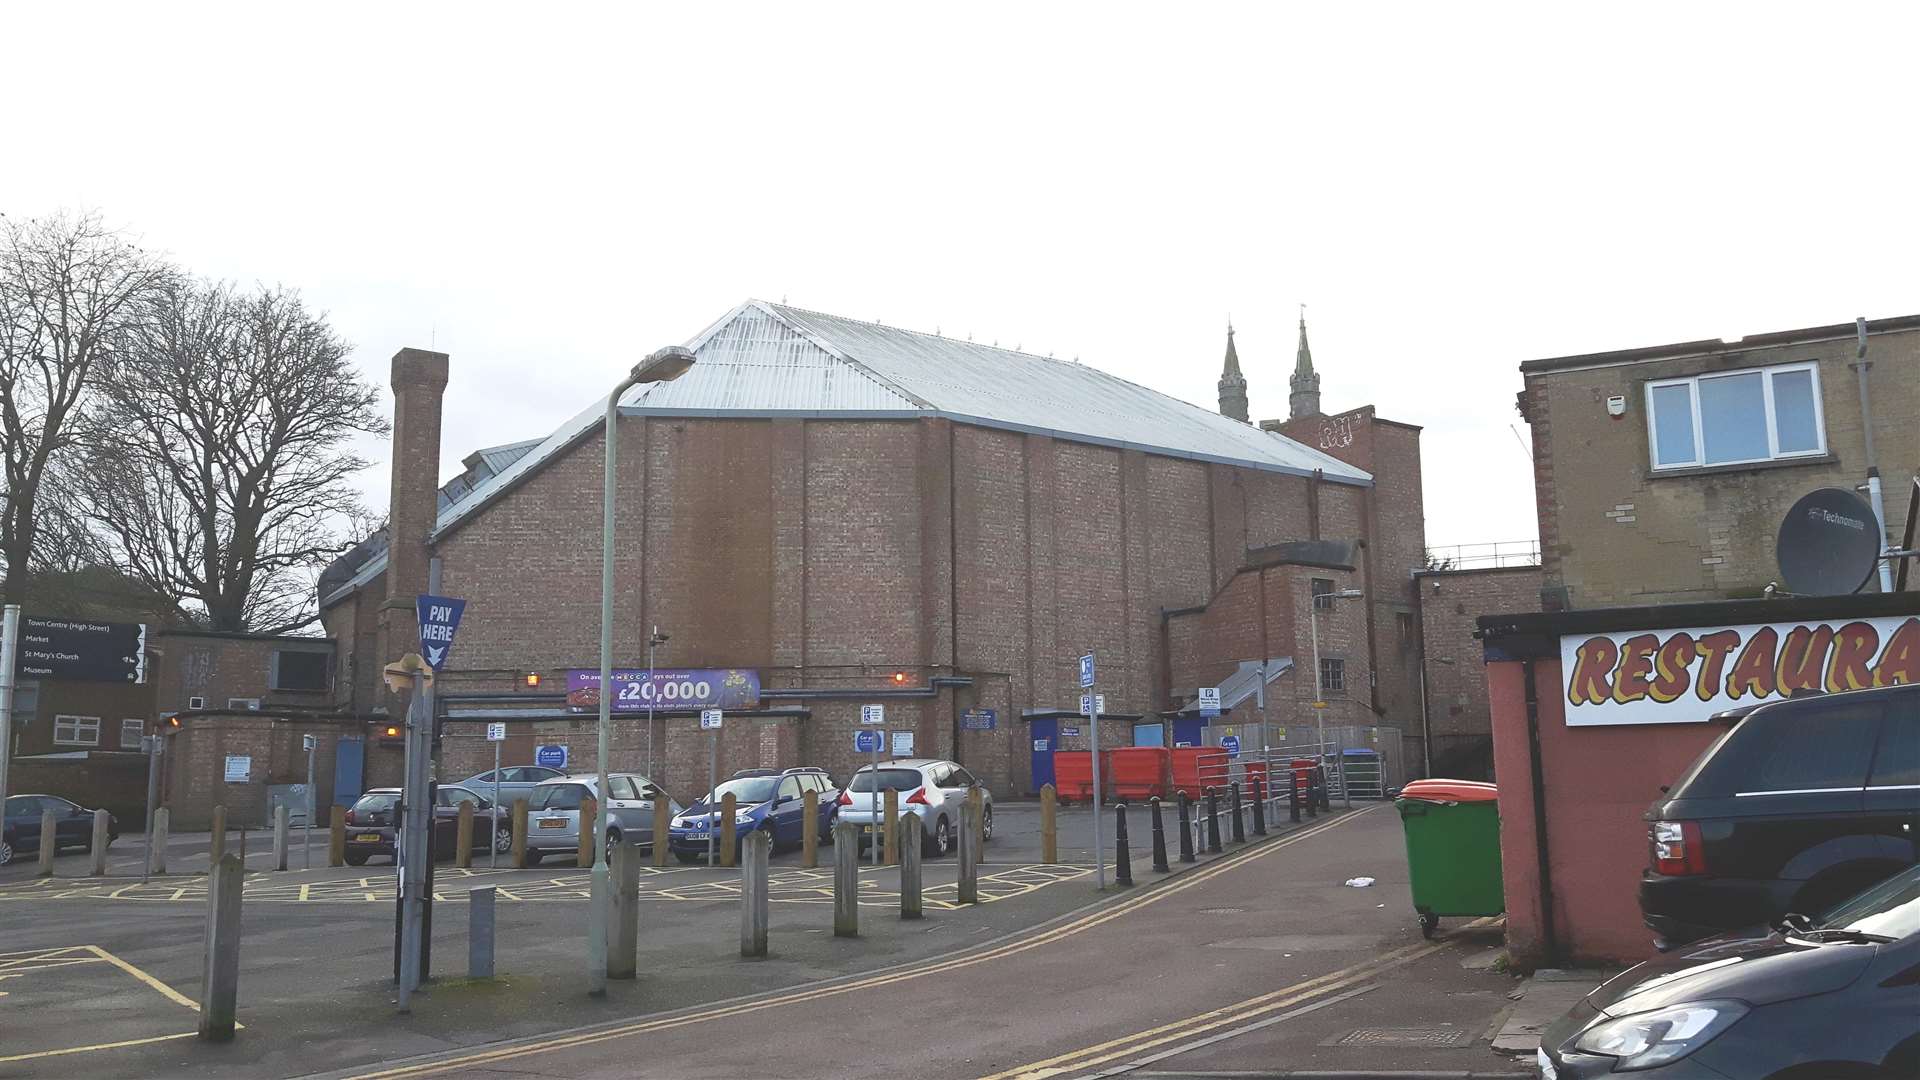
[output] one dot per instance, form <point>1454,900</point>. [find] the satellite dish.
<point>1829,543</point>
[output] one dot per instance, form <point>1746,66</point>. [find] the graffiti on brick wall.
<point>196,669</point>
<point>1337,432</point>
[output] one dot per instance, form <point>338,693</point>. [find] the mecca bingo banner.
<point>1685,676</point>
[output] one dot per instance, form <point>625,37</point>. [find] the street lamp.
<point>1319,688</point>
<point>662,365</point>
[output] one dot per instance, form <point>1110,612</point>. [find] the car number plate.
<point>697,834</point>
<point>553,823</point>
<point>367,838</point>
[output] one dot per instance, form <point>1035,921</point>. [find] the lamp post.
<point>1319,688</point>
<point>663,365</point>
<point>654,641</point>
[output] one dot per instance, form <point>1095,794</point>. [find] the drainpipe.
<point>1861,365</point>
<point>1548,937</point>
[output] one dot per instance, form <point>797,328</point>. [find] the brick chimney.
<point>419,380</point>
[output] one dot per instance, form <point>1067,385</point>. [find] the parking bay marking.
<point>1103,914</point>
<point>11,966</point>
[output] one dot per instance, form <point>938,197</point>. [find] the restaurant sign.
<point>1685,676</point>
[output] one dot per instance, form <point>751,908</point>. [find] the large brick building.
<point>853,513</point>
<point>1662,474</point>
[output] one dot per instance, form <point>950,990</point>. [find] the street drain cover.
<point>1430,1037</point>
<point>1223,911</point>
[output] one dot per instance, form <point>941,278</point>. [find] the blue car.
<point>764,799</point>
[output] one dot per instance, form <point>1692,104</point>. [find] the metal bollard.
<point>157,854</point>
<point>1313,793</point>
<point>910,876</point>
<point>1293,796</point>
<point>1213,822</point>
<point>463,837</point>
<point>337,836</point>
<point>1159,839</point>
<point>1186,829</point>
<point>49,842</point>
<point>846,880</point>
<point>480,932</point>
<point>662,829</point>
<point>1259,807</point>
<point>890,830</point>
<point>1049,827</point>
<point>218,841</point>
<point>101,820</point>
<point>969,853</point>
<point>220,982</point>
<point>753,893</point>
<point>280,837</point>
<point>589,810</point>
<point>519,834</point>
<point>729,832</point>
<point>1326,791</point>
<point>1122,861</point>
<point>810,832</point>
<point>1239,820</point>
<point>623,937</point>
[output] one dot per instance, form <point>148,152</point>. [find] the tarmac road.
<point>1259,963</point>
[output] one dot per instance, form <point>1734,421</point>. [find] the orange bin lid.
<point>1463,791</point>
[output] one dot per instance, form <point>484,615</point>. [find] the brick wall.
<point>113,782</point>
<point>194,769</point>
<point>1458,713</point>
<point>220,667</point>
<point>111,703</point>
<point>1615,533</point>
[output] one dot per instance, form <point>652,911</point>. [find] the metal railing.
<point>1482,556</point>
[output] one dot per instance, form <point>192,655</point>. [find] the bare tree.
<point>69,289</point>
<point>221,457</point>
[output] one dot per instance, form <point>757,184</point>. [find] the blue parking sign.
<point>1231,744</point>
<point>866,741</point>
<point>552,757</point>
<point>1086,671</point>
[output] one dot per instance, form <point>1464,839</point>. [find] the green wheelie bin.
<point>1453,849</point>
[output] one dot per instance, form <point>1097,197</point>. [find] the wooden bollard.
<point>753,893</point>
<point>729,833</point>
<point>588,810</point>
<point>1049,826</point>
<point>969,854</point>
<point>519,834</point>
<point>218,843</point>
<point>280,837</point>
<point>49,842</point>
<point>810,829</point>
<point>890,829</point>
<point>463,836</point>
<point>157,853</point>
<point>337,836</point>
<point>220,984</point>
<point>662,828</point>
<point>976,797</point>
<point>910,877</point>
<point>846,880</point>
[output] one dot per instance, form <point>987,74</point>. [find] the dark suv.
<point>1801,805</point>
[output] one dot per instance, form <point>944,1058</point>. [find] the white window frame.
<point>76,723</point>
<point>235,704</point>
<point>139,732</point>
<point>1774,453</point>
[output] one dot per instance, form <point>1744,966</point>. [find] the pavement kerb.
<point>1117,897</point>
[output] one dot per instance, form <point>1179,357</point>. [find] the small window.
<point>1322,593</point>
<point>1736,417</point>
<point>76,730</point>
<point>1403,622</point>
<point>561,797</point>
<point>131,732</point>
<point>196,702</point>
<point>1333,675</point>
<point>622,787</point>
<point>244,703</point>
<point>299,669</point>
<point>1791,749</point>
<point>962,778</point>
<point>790,788</point>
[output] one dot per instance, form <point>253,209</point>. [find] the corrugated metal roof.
<point>766,359</point>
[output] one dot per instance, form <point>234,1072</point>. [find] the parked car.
<point>72,826</point>
<point>932,788</point>
<point>1815,999</point>
<point>370,824</point>
<point>516,782</point>
<point>1801,804</point>
<point>766,799</point>
<point>553,814</point>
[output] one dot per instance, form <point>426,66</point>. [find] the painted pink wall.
<point>1598,783</point>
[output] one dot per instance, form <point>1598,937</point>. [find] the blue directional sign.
<point>977,720</point>
<point>1086,671</point>
<point>1231,744</point>
<point>439,618</point>
<point>553,757</point>
<point>866,741</point>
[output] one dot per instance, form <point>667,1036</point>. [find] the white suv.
<point>553,813</point>
<point>932,788</point>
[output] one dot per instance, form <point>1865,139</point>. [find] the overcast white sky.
<point>548,192</point>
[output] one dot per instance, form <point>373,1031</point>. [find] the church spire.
<point>1305,383</point>
<point>1233,385</point>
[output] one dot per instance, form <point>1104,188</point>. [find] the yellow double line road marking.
<point>883,978</point>
<point>1239,1012</point>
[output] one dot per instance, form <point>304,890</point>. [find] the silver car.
<point>553,814</point>
<point>516,782</point>
<point>930,787</point>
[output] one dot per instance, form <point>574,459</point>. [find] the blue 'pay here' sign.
<point>439,618</point>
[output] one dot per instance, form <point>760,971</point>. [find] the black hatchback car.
<point>1829,998</point>
<point>1802,804</point>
